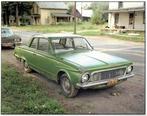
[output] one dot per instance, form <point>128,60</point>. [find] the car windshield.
<point>6,32</point>
<point>69,44</point>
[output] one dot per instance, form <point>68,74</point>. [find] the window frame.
<point>131,18</point>
<point>144,17</point>
<point>120,4</point>
<point>32,42</point>
<point>47,46</point>
<point>56,38</point>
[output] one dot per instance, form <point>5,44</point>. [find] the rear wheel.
<point>67,87</point>
<point>26,67</point>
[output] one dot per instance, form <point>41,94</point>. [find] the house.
<point>45,13</point>
<point>126,15</point>
<point>86,14</point>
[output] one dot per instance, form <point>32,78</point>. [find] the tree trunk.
<point>6,16</point>
<point>17,17</point>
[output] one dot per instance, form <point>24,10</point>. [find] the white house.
<point>127,15</point>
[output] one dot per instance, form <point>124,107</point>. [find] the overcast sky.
<point>83,4</point>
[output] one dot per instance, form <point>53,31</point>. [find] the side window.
<point>57,44</point>
<point>79,43</point>
<point>43,45</point>
<point>34,43</point>
<point>69,42</point>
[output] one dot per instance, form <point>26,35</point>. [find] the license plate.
<point>112,82</point>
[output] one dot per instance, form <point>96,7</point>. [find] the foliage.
<point>99,16</point>
<point>25,95</point>
<point>11,8</point>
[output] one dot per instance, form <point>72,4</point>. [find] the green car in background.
<point>72,62</point>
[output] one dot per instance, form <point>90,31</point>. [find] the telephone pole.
<point>74,17</point>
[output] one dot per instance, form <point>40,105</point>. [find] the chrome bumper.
<point>91,84</point>
<point>7,44</point>
<point>18,43</point>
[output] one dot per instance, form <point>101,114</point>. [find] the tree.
<point>16,9</point>
<point>99,16</point>
<point>5,12</point>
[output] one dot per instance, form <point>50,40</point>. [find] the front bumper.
<point>10,44</point>
<point>103,83</point>
<point>18,43</point>
<point>7,44</point>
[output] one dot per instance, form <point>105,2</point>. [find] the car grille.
<point>108,74</point>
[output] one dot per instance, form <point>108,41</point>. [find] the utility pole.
<point>74,17</point>
<point>81,11</point>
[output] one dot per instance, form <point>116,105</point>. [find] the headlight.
<point>96,76</point>
<point>85,77</point>
<point>129,69</point>
<point>18,39</point>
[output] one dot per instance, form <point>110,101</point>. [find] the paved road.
<point>131,98</point>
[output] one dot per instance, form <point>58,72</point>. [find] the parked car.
<point>9,39</point>
<point>72,62</point>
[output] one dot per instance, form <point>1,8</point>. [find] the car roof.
<point>56,35</point>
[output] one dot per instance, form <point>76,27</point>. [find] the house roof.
<point>52,5</point>
<point>126,9</point>
<point>87,13</point>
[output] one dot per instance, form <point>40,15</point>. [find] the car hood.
<point>92,59</point>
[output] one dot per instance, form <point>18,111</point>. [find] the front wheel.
<point>67,87</point>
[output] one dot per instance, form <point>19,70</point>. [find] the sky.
<point>84,4</point>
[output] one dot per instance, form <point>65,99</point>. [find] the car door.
<point>44,58</point>
<point>31,53</point>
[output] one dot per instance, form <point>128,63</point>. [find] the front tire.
<point>67,87</point>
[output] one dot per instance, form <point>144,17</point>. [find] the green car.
<point>72,62</point>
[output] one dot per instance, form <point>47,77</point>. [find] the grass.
<point>25,95</point>
<point>125,36</point>
<point>61,27</point>
<point>83,28</point>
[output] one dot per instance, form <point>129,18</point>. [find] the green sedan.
<point>72,62</point>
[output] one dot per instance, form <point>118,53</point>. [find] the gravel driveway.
<point>126,98</point>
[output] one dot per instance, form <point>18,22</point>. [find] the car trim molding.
<point>90,84</point>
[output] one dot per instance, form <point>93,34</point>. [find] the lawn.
<point>83,28</point>
<point>61,27</point>
<point>126,36</point>
<point>25,95</point>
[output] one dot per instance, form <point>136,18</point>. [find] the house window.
<point>131,18</point>
<point>116,18</point>
<point>120,4</point>
<point>144,17</point>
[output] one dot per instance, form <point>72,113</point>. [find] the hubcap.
<point>66,85</point>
